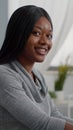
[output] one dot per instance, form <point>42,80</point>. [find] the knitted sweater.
<point>24,104</point>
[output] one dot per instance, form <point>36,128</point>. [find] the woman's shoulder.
<point>6,70</point>
<point>8,75</point>
<point>3,68</point>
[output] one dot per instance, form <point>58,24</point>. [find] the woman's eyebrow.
<point>36,26</point>
<point>39,27</point>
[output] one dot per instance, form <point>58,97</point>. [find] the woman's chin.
<point>40,60</point>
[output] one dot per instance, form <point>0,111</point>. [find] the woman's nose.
<point>43,40</point>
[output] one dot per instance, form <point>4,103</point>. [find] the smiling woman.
<point>39,43</point>
<point>24,100</point>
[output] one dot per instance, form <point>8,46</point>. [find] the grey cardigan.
<point>25,105</point>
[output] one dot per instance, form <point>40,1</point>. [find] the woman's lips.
<point>42,51</point>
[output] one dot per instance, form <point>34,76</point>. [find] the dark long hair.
<point>18,30</point>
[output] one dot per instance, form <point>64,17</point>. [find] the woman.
<point>24,100</point>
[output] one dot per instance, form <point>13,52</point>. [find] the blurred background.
<point>61,55</point>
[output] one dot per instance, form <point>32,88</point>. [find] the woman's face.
<point>39,42</point>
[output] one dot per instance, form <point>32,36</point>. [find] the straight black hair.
<point>18,30</point>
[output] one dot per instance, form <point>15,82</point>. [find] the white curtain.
<point>65,53</point>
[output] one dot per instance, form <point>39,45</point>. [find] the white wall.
<point>3,19</point>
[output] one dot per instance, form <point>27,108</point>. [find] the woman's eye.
<point>36,33</point>
<point>49,37</point>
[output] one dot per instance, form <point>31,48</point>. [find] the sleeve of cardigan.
<point>14,99</point>
<point>58,114</point>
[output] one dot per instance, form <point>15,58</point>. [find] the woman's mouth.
<point>42,51</point>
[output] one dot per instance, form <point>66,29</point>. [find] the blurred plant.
<point>63,71</point>
<point>52,94</point>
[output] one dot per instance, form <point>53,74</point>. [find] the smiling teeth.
<point>41,51</point>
